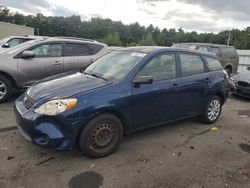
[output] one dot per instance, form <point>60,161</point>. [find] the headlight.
<point>232,79</point>
<point>55,107</point>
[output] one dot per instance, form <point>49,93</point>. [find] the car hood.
<point>65,85</point>
<point>242,77</point>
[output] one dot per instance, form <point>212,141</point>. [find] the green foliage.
<point>112,39</point>
<point>115,33</point>
<point>148,41</point>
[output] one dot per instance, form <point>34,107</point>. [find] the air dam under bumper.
<point>48,131</point>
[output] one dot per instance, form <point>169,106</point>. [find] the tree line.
<point>115,33</point>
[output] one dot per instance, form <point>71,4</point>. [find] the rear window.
<point>228,52</point>
<point>213,64</point>
<point>191,64</point>
<point>76,50</point>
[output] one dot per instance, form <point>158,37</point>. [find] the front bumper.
<point>57,132</point>
<point>242,91</point>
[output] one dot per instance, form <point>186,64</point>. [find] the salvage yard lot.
<point>182,154</point>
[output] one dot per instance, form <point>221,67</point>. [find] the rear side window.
<point>94,48</point>
<point>191,64</point>
<point>213,64</point>
<point>76,50</point>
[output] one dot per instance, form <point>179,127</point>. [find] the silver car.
<point>11,41</point>
<point>34,60</point>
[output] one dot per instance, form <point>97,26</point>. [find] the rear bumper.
<point>55,132</point>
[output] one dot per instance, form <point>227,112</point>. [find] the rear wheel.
<point>212,111</point>
<point>5,89</point>
<point>101,136</point>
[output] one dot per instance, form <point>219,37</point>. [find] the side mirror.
<point>143,80</point>
<point>28,54</point>
<point>6,45</point>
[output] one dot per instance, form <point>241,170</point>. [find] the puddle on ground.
<point>88,179</point>
<point>244,113</point>
<point>245,147</point>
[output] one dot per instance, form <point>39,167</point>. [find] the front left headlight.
<point>56,106</point>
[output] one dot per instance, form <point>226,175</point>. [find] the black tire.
<point>6,89</point>
<point>101,136</point>
<point>206,116</point>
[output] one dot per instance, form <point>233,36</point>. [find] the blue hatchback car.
<point>125,91</point>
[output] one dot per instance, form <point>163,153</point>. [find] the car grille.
<point>243,84</point>
<point>28,101</point>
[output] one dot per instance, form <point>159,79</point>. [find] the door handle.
<point>57,63</point>
<point>175,84</point>
<point>207,80</point>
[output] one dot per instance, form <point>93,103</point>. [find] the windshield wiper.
<point>95,75</point>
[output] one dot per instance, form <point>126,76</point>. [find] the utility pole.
<point>228,39</point>
<point>37,32</point>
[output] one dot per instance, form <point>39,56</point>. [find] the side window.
<point>213,64</point>
<point>48,50</point>
<point>76,50</point>
<point>162,67</point>
<point>94,48</point>
<point>203,49</point>
<point>192,47</point>
<point>191,64</point>
<point>216,50</point>
<point>15,41</point>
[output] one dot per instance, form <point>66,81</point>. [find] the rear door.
<point>195,82</point>
<point>48,61</point>
<point>76,56</point>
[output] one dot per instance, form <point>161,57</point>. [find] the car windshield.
<point>114,66</point>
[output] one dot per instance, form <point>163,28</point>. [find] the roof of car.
<point>73,39</point>
<point>209,44</point>
<point>151,49</point>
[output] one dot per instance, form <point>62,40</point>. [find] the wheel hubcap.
<point>214,109</point>
<point>3,89</point>
<point>102,135</point>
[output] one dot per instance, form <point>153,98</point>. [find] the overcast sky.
<point>197,15</point>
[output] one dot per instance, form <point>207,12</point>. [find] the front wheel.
<point>5,89</point>
<point>212,111</point>
<point>101,136</point>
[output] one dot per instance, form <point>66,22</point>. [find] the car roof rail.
<point>75,38</point>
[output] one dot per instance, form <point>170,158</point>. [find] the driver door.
<point>47,61</point>
<point>157,102</point>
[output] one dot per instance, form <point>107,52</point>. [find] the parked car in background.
<point>240,83</point>
<point>12,41</point>
<point>125,91</point>
<point>226,54</point>
<point>32,61</point>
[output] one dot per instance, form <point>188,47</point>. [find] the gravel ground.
<point>181,154</point>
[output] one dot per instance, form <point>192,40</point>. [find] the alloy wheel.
<point>3,89</point>
<point>214,109</point>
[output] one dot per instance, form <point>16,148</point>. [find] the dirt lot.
<point>182,154</point>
